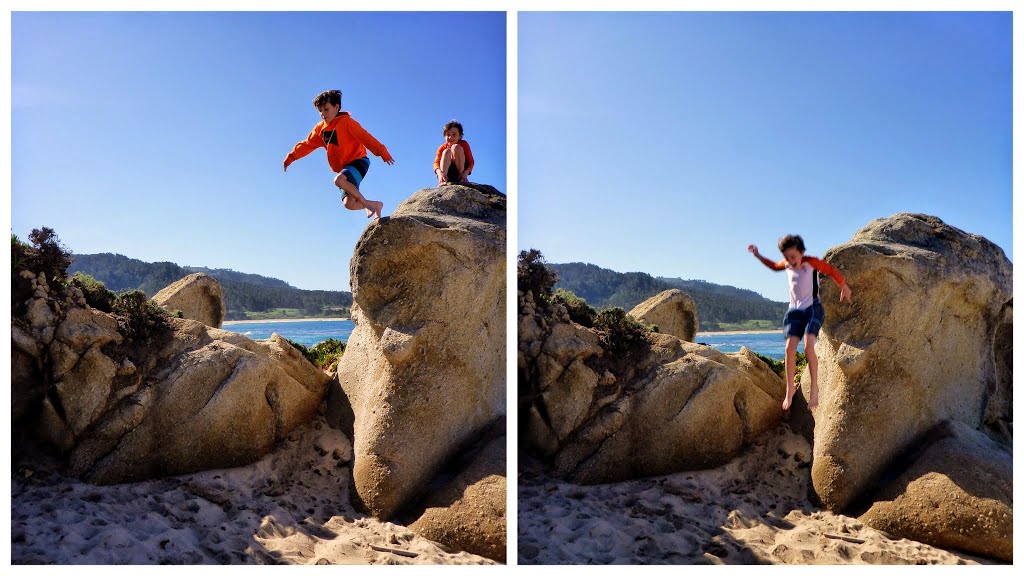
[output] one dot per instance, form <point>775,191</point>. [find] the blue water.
<point>772,344</point>
<point>313,332</point>
<point>307,333</point>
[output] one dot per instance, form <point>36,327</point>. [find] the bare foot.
<point>813,402</point>
<point>377,207</point>
<point>790,391</point>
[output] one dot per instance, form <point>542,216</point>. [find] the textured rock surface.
<point>424,369</point>
<point>958,494</point>
<point>670,407</point>
<point>469,512</point>
<point>188,398</point>
<point>673,311</point>
<point>927,339</point>
<point>199,296</point>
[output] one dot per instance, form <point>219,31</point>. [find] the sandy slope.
<point>752,510</point>
<point>291,507</point>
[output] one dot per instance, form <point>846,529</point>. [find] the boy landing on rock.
<point>806,314</point>
<point>346,143</point>
<point>453,162</point>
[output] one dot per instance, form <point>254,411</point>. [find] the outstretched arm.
<point>821,266</point>
<point>777,266</point>
<point>312,142</point>
<point>367,139</point>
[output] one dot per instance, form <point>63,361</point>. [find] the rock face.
<point>673,311</point>
<point>674,406</point>
<point>926,340</point>
<point>469,512</point>
<point>957,494</point>
<point>424,369</point>
<point>188,398</point>
<point>199,296</point>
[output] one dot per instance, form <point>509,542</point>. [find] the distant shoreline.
<point>226,322</point>
<point>732,332</point>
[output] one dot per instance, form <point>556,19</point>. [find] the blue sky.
<point>667,142</point>
<point>160,136</point>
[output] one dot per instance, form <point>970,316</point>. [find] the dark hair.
<point>332,97</point>
<point>792,241</point>
<point>452,124</point>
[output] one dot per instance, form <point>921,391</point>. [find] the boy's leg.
<point>446,162</point>
<point>791,344</point>
<point>459,161</point>
<point>812,364</point>
<point>354,200</point>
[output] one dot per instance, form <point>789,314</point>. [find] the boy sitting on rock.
<point>346,143</point>
<point>454,160</point>
<point>806,314</point>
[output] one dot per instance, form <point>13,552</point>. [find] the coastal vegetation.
<point>621,334</point>
<point>47,260</point>
<point>779,366</point>
<point>324,355</point>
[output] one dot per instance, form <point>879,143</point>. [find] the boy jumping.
<point>346,143</point>
<point>454,160</point>
<point>806,314</point>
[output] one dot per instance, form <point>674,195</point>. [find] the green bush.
<point>533,276</point>
<point>19,250</point>
<point>139,319</point>
<point>621,333</point>
<point>579,311</point>
<point>324,355</point>
<point>96,294</point>
<point>779,366</point>
<point>46,255</point>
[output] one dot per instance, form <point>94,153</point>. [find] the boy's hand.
<point>389,159</point>
<point>285,165</point>
<point>753,248</point>
<point>845,292</point>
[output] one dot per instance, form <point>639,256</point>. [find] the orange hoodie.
<point>344,139</point>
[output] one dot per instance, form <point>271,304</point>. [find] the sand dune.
<point>753,510</point>
<point>291,507</point>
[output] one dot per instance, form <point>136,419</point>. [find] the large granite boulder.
<point>957,494</point>
<point>673,311</point>
<point>927,339</point>
<point>184,398</point>
<point>468,512</point>
<point>667,407</point>
<point>198,296</point>
<point>424,369</point>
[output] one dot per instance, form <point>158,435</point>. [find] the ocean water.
<point>308,332</point>
<point>770,344</point>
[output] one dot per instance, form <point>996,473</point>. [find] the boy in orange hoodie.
<point>454,160</point>
<point>346,143</point>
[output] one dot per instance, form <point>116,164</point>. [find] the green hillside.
<point>246,295</point>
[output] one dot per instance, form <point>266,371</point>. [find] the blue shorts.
<point>798,322</point>
<point>356,170</point>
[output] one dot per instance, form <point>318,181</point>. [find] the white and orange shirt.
<point>803,279</point>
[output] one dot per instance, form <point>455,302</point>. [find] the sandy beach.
<point>727,332</point>
<point>753,510</point>
<point>290,507</point>
<point>240,322</point>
